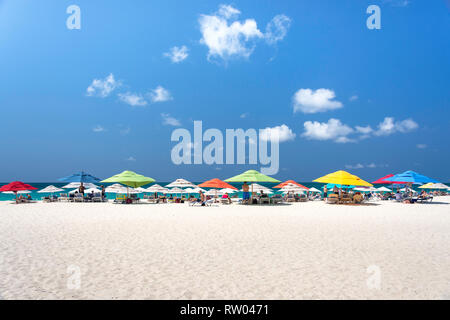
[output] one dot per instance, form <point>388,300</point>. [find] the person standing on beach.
<point>81,189</point>
<point>246,194</point>
<point>103,192</point>
<point>325,193</point>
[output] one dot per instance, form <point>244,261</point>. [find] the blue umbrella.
<point>80,177</point>
<point>410,177</point>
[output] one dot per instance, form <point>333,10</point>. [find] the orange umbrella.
<point>216,183</point>
<point>281,185</point>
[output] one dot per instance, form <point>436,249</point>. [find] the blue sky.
<point>371,102</point>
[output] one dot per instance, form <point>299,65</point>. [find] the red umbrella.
<point>216,183</point>
<point>16,186</point>
<point>281,185</point>
<point>382,180</point>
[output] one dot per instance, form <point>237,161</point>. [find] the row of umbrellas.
<point>135,181</point>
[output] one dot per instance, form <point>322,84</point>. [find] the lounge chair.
<point>303,198</point>
<point>78,198</point>
<point>333,198</point>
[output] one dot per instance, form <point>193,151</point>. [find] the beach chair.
<point>303,198</point>
<point>333,198</point>
<point>46,199</point>
<point>78,198</point>
<point>358,198</point>
<point>264,200</point>
<point>120,199</point>
<point>63,197</point>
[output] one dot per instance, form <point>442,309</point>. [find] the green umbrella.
<point>129,178</point>
<point>252,176</point>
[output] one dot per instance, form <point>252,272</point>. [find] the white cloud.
<point>353,98</point>
<point>389,126</point>
<point>365,131</point>
<point>168,120</point>
<point>160,94</point>
<point>356,166</point>
<point>334,129</point>
<point>244,115</point>
<point>102,88</point>
<point>361,166</point>
<point>228,11</point>
<point>225,39</point>
<point>98,128</point>
<point>421,146</point>
<point>283,132</point>
<point>130,159</point>
<point>177,54</point>
<point>132,99</point>
<point>320,100</point>
<point>277,28</point>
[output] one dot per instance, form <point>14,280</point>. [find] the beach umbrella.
<point>281,185</point>
<point>80,177</point>
<point>228,190</point>
<point>365,189</point>
<point>16,186</point>
<point>384,181</point>
<point>252,176</point>
<point>217,184</point>
<point>410,177</point>
<point>114,188</point>
<point>332,185</point>
<point>157,188</point>
<point>140,190</point>
<point>314,190</point>
<point>74,185</point>
<point>292,188</point>
<point>434,186</point>
<point>130,179</point>
<point>258,187</point>
<point>181,183</point>
<point>50,189</point>
<point>198,189</point>
<point>384,189</point>
<point>343,178</point>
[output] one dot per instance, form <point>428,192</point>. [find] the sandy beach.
<point>172,251</point>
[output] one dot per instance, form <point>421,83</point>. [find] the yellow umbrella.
<point>343,178</point>
<point>427,186</point>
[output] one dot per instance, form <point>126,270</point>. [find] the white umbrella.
<point>74,185</point>
<point>181,183</point>
<point>258,187</point>
<point>228,190</point>
<point>214,192</point>
<point>436,186</point>
<point>140,190</point>
<point>384,189</point>
<point>314,190</point>
<point>157,188</point>
<point>114,188</point>
<point>50,189</point>
<point>198,189</point>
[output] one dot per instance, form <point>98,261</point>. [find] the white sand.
<point>173,251</point>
